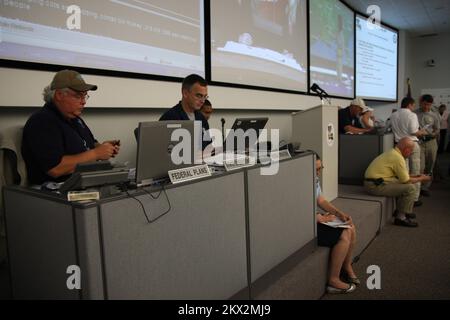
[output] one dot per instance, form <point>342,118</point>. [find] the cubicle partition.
<point>356,152</point>
<point>207,239</point>
<point>281,213</point>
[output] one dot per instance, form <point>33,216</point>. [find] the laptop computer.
<point>158,153</point>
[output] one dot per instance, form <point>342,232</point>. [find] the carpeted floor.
<point>414,262</point>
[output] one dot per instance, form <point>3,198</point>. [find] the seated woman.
<point>341,241</point>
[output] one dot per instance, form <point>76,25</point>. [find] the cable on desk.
<point>154,198</point>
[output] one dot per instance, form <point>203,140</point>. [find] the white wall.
<point>424,77</point>
<point>120,104</point>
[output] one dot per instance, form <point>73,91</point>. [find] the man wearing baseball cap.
<point>349,117</point>
<point>55,138</point>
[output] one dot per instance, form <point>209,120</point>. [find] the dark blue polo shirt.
<point>177,113</point>
<point>48,137</point>
<point>346,119</point>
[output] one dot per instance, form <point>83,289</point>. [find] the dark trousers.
<point>442,139</point>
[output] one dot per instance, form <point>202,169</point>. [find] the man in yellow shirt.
<point>388,175</point>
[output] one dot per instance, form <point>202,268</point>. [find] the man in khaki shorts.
<point>388,175</point>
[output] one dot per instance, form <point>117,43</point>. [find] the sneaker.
<point>406,223</point>
<point>425,193</point>
<point>418,203</point>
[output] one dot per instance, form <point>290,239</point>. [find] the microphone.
<point>223,133</point>
<point>320,92</point>
<point>315,88</point>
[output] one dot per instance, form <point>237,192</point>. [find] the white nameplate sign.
<point>83,195</point>
<point>239,163</point>
<point>189,174</point>
<point>277,156</point>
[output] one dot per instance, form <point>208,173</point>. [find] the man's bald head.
<point>406,146</point>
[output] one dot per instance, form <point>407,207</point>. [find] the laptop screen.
<point>244,134</point>
<point>165,146</point>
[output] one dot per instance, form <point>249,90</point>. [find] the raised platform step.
<point>307,279</point>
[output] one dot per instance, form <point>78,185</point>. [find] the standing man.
<point>55,138</point>
<point>194,93</point>
<point>405,124</point>
<point>387,175</point>
<point>443,114</point>
<point>207,109</point>
<point>430,122</point>
<point>349,117</point>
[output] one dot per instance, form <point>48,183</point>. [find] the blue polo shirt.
<point>346,119</point>
<point>177,113</point>
<point>48,137</point>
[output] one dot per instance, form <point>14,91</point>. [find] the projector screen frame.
<point>50,67</point>
<point>358,13</point>
<point>354,53</point>
<point>208,62</point>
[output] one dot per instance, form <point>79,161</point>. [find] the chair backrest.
<point>12,165</point>
<point>136,134</point>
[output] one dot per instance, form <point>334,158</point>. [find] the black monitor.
<point>248,126</point>
<point>156,148</point>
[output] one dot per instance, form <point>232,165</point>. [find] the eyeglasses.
<point>201,97</point>
<point>79,95</point>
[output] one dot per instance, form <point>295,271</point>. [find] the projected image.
<point>262,44</point>
<point>376,61</point>
<point>332,47</point>
<point>161,37</point>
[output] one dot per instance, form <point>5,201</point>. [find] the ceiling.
<point>418,17</point>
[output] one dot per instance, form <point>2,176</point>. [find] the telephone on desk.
<point>94,174</point>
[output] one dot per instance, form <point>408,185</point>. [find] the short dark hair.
<point>192,79</point>
<point>427,98</point>
<point>406,102</point>
<point>207,103</point>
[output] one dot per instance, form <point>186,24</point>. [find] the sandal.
<point>351,280</point>
<point>333,290</point>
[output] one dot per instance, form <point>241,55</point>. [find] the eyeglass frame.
<point>78,95</point>
<point>200,97</point>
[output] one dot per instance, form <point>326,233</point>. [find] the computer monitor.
<point>157,153</point>
<point>244,124</point>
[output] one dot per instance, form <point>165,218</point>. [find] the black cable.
<point>151,195</point>
<point>154,198</point>
<point>142,205</point>
<point>168,202</point>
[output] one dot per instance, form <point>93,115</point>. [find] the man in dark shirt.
<point>55,138</point>
<point>194,92</point>
<point>349,118</point>
<point>207,110</point>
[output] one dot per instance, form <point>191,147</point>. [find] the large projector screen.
<point>332,47</point>
<point>259,43</point>
<point>376,61</point>
<point>158,37</point>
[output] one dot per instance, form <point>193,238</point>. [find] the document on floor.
<point>337,223</point>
